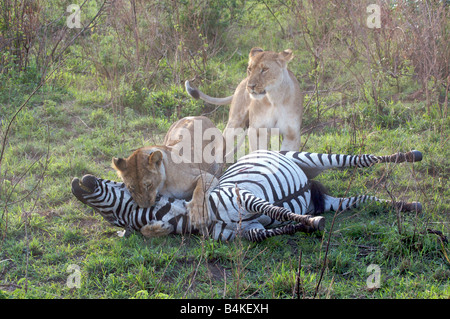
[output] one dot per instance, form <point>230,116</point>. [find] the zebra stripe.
<point>263,194</point>
<point>333,204</point>
<point>116,205</point>
<point>258,235</point>
<point>332,160</point>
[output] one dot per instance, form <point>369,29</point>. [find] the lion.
<point>162,169</point>
<point>269,97</point>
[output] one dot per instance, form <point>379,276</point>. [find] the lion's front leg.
<point>291,138</point>
<point>198,207</point>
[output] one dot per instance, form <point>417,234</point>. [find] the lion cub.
<point>162,169</point>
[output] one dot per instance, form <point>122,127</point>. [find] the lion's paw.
<point>156,229</point>
<point>198,215</point>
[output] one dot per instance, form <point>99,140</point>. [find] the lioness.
<point>269,97</point>
<point>161,169</point>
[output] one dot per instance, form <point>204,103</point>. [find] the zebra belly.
<point>267,175</point>
<point>273,186</point>
<point>226,209</point>
<point>290,191</point>
<point>298,205</point>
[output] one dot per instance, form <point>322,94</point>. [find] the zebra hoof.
<point>89,182</point>
<point>318,223</point>
<point>410,207</point>
<point>413,156</point>
<point>414,207</point>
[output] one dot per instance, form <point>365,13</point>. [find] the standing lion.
<point>269,97</point>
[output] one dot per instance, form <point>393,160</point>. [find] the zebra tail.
<point>318,192</point>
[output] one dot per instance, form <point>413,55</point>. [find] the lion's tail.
<point>197,94</point>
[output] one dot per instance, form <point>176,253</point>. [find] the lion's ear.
<point>119,164</point>
<point>286,55</point>
<point>254,51</point>
<point>155,158</point>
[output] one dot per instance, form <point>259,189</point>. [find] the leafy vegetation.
<point>118,85</point>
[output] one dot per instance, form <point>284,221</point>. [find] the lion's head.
<point>141,172</point>
<point>265,69</point>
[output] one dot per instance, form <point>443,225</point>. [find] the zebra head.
<point>103,196</point>
<point>114,202</point>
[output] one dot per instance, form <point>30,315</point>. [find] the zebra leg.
<point>315,163</point>
<point>260,234</point>
<point>255,204</point>
<point>335,203</point>
<point>413,156</point>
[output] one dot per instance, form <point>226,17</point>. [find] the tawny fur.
<point>160,169</point>
<point>269,97</point>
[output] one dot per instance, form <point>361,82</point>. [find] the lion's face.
<point>265,69</point>
<point>141,174</point>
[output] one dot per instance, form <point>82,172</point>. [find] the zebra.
<point>263,194</point>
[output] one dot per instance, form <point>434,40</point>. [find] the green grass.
<point>47,229</point>
<point>81,118</point>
